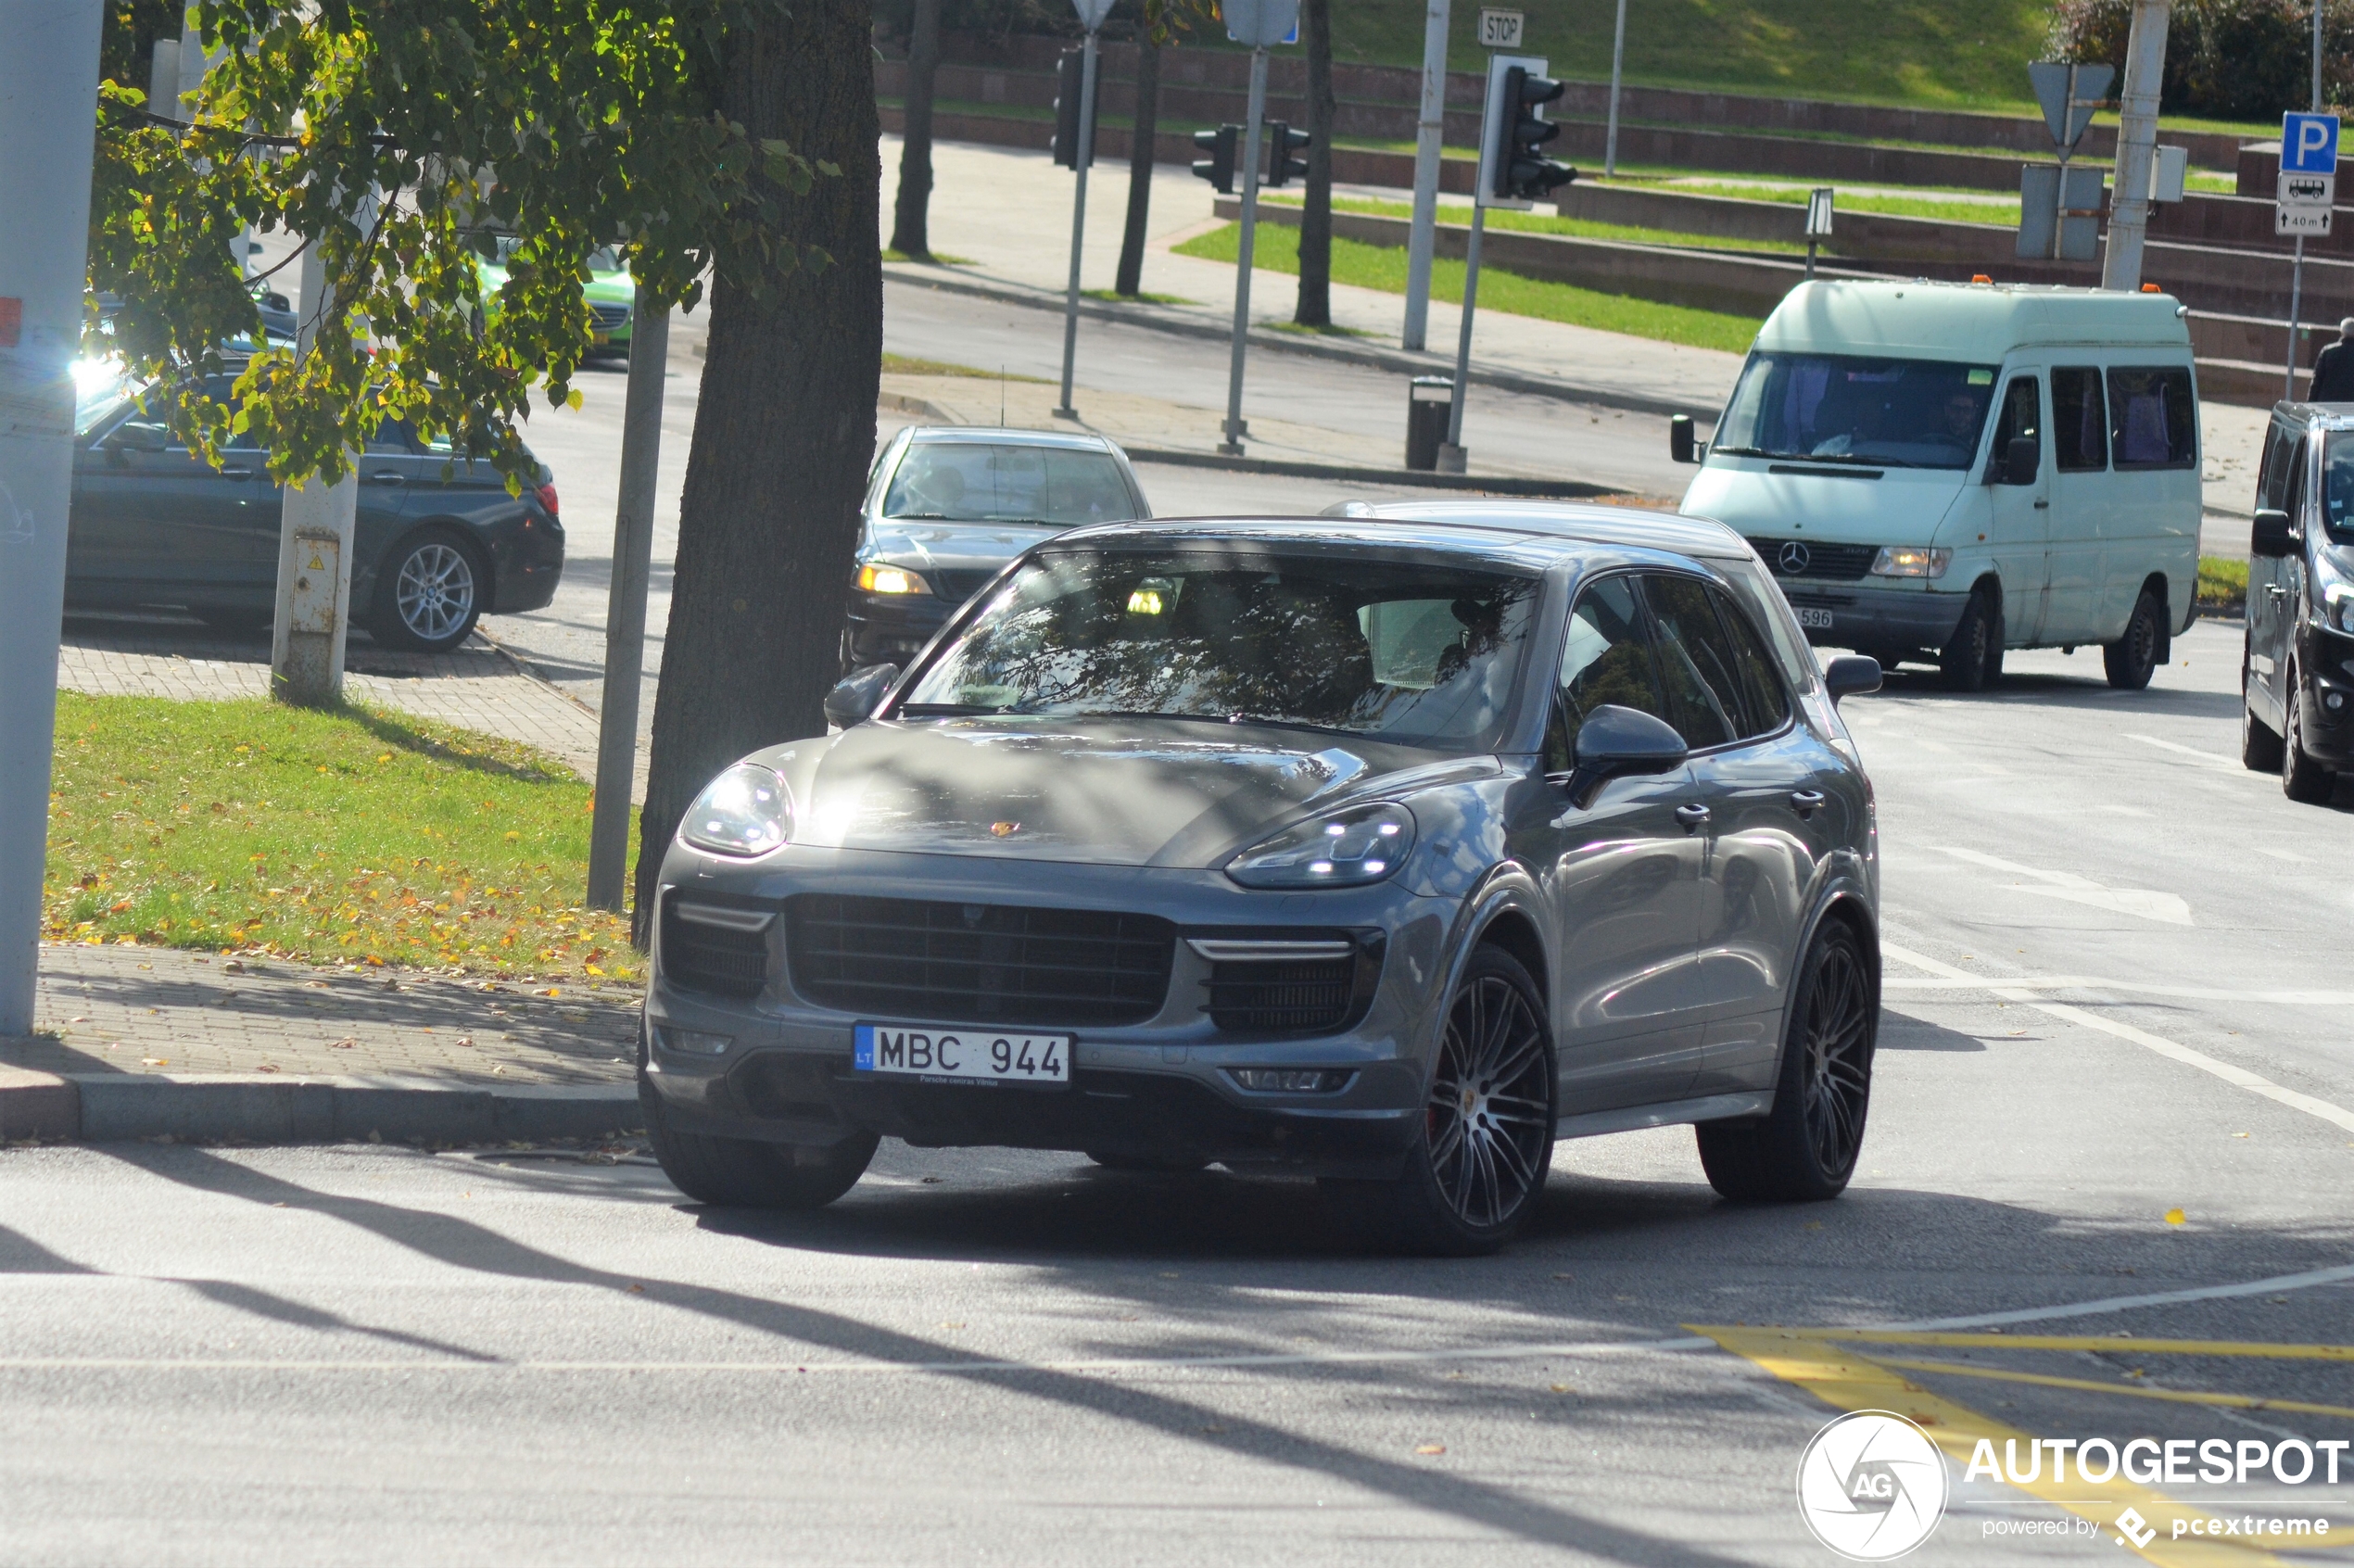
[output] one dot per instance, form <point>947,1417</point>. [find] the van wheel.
<point>1805,1149</point>
<point>2132,658</point>
<point>2302,779</point>
<point>2259,747</point>
<point>1975,644</point>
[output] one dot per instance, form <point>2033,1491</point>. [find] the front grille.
<point>977,962</point>
<point>1828,563</point>
<point>609,317</point>
<point>1309,996</point>
<point>957,584</point>
<point>715,948</point>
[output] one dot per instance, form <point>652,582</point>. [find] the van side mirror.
<point>2022,455</point>
<point>2271,538</point>
<point>1681,447</point>
<point>855,698</point>
<point>1851,675</point>
<point>1617,742</point>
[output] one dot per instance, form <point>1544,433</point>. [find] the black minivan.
<point>2298,669</point>
<point>439,543</point>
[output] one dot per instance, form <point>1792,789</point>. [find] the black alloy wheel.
<point>2259,747</point>
<point>1805,1148</point>
<point>2302,779</point>
<point>1964,662</point>
<point>2132,659</point>
<point>1476,1173</point>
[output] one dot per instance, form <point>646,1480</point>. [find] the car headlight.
<point>874,577</point>
<point>1341,849</point>
<point>1908,561</point>
<point>744,811</point>
<point>2339,599</point>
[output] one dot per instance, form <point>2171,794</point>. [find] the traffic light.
<point>1070,81</point>
<point>1281,143</point>
<point>1219,167</point>
<point>1521,171</point>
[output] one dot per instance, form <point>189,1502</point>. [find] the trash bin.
<point>1428,399</point>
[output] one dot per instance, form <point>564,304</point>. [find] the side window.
<point>2080,421</point>
<point>2293,500</point>
<point>1607,658</point>
<point>2152,420</point>
<point>1695,662</point>
<point>391,439</point>
<point>1765,701</point>
<point>2272,481</point>
<point>2022,415</point>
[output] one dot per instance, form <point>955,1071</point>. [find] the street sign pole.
<point>48,108</point>
<point>633,542</point>
<point>1430,132</point>
<point>1091,12</point>
<point>1234,427</point>
<point>2303,195</point>
<point>1617,60</point>
<point>1452,456</point>
<point>2129,211</point>
<point>2296,308</point>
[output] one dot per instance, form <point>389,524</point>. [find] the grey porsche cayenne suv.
<point>1381,849</point>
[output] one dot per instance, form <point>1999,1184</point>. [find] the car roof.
<point>1969,322</point>
<point>2319,416</point>
<point>1529,543</point>
<point>1580,521</point>
<point>1004,436</point>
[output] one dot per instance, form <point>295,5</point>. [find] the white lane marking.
<point>2211,757</point>
<point>2292,856</point>
<point>2128,1303</point>
<point>2239,1078</point>
<point>2143,902</point>
<point>2094,983</point>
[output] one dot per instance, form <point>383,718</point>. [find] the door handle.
<point>2274,590</point>
<point>386,476</point>
<point>2041,505</point>
<point>1691,816</point>
<point>1806,803</point>
<point>236,474</point>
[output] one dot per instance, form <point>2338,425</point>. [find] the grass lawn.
<point>1384,267</point>
<point>900,364</point>
<point>1549,223</point>
<point>1144,296</point>
<point>347,837</point>
<point>2222,586</point>
<point>2004,211</point>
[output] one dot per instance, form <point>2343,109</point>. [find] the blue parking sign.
<point>2308,143</point>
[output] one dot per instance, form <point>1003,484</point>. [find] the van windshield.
<point>2338,485</point>
<point>1841,408</point>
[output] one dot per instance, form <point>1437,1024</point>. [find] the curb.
<point>1395,359</point>
<point>114,1107</point>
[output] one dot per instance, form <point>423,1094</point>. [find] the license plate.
<point>1813,620</point>
<point>599,339</point>
<point>950,1053</point>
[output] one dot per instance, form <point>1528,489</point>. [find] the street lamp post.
<point>1092,13</point>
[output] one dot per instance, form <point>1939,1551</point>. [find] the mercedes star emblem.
<point>1793,559</point>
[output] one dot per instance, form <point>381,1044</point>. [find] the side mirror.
<point>854,698</point>
<point>2270,537</point>
<point>2022,455</point>
<point>1851,675</point>
<point>133,436</point>
<point>1681,447</point>
<point>1617,742</point>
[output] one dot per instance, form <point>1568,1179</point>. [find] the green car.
<point>611,293</point>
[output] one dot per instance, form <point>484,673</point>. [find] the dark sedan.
<point>439,543</point>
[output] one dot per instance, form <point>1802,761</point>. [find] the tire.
<point>1477,1167</point>
<point>429,592</point>
<point>2259,747</point>
<point>2302,779</point>
<point>1173,1164</point>
<point>1977,640</point>
<point>1805,1148</point>
<point>2132,658</point>
<point>743,1173</point>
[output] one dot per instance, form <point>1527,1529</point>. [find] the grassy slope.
<point>352,836</point>
<point>1384,267</point>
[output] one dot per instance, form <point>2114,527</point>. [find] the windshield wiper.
<point>922,517</point>
<point>945,710</point>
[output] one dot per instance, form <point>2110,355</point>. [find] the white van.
<point>1940,471</point>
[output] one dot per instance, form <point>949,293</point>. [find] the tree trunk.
<point>1316,215</point>
<point>910,233</point>
<point>783,436</point>
<point>1130,280</point>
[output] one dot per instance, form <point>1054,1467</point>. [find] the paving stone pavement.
<point>476,687</point>
<point>123,1009</point>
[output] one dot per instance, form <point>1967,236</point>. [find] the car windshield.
<point>1002,482</point>
<point>1410,651</point>
<point>2337,484</point>
<point>1839,407</point>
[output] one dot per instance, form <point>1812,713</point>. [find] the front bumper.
<point>2325,672</point>
<point>1159,1089</point>
<point>891,628</point>
<point>1865,615</point>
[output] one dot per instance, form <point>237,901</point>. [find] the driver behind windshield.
<point>1902,413</point>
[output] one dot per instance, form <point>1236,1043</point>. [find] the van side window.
<point>2272,480</point>
<point>2022,415</point>
<point>2152,420</point>
<point>2293,500</point>
<point>2080,421</point>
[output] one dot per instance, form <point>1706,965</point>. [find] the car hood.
<point>913,542</point>
<point>1128,792</point>
<point>1903,506</point>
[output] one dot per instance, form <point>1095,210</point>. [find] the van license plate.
<point>1811,619</point>
<point>951,1052</point>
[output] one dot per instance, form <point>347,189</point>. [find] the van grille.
<point>1808,557</point>
<point>977,962</point>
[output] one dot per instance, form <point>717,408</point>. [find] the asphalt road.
<point>2111,1111</point>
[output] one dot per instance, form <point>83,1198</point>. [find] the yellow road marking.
<point>2229,1401</point>
<point>2087,1342</point>
<point>1849,1382</point>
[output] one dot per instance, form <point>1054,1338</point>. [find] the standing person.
<point>2333,367</point>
